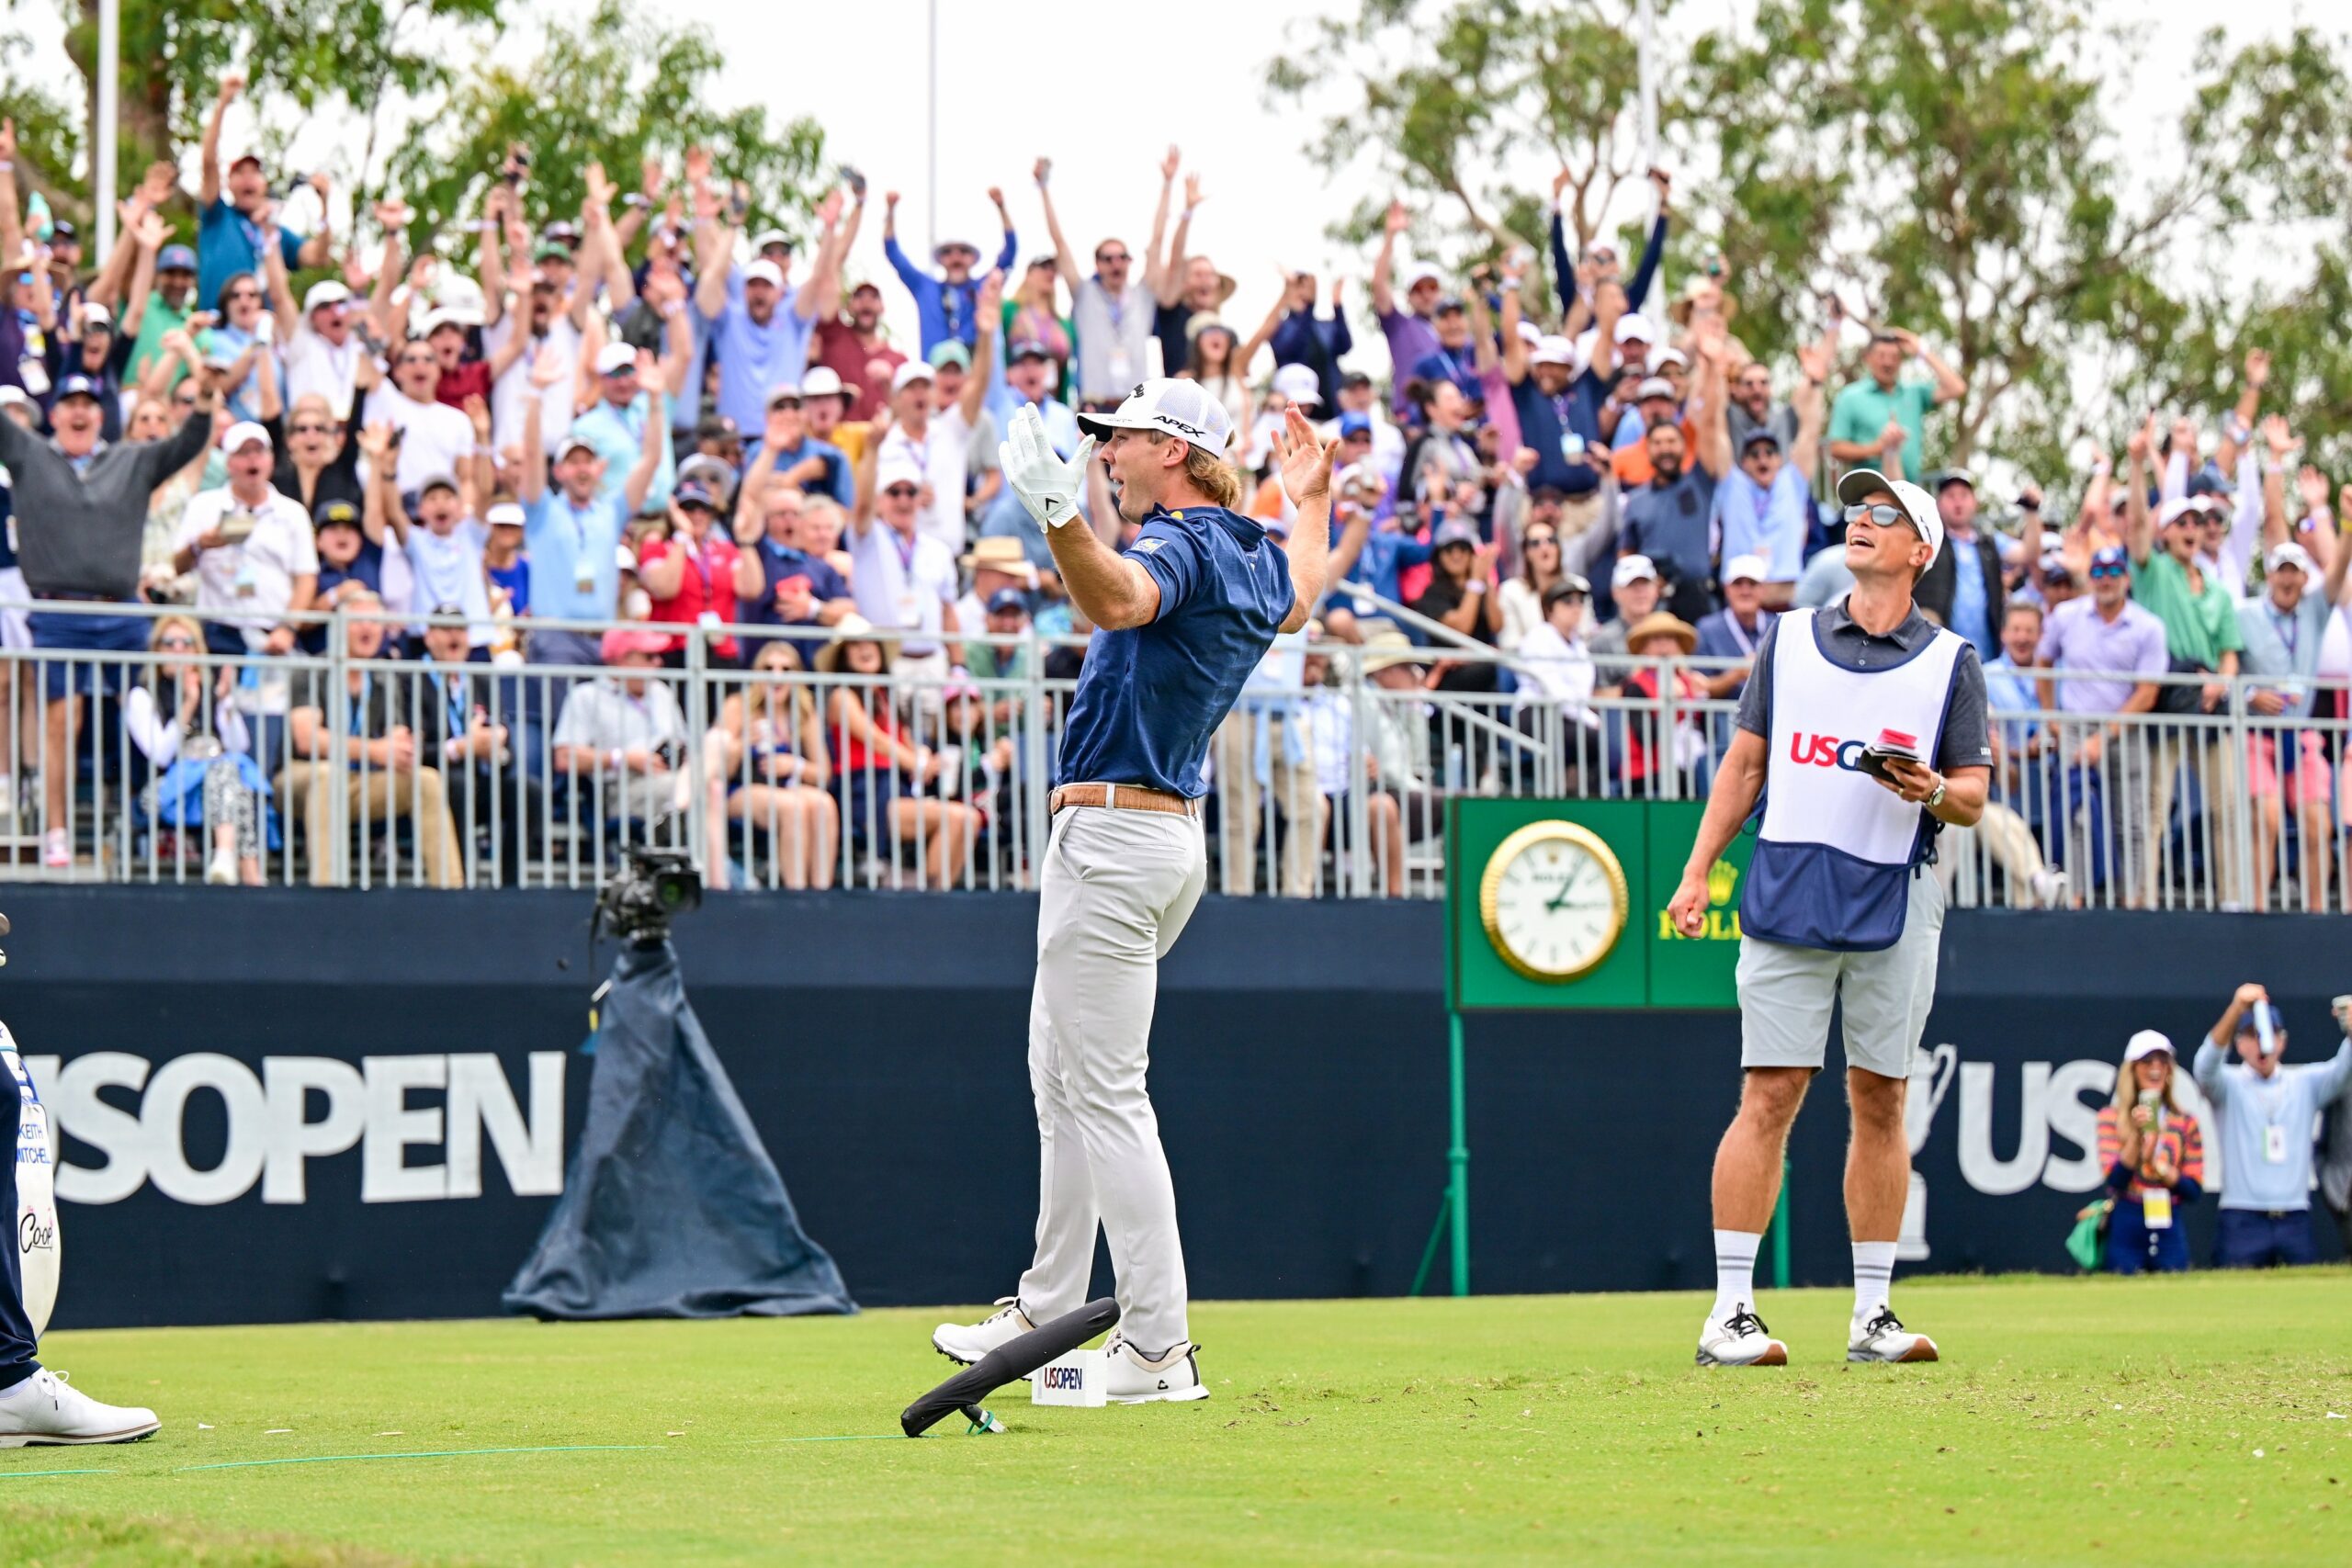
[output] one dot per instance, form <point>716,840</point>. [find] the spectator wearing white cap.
<point>2283,631</point>
<point>924,431</point>
<point>1653,401</point>
<point>1634,588</point>
<point>2201,635</point>
<point>2153,1152</point>
<point>904,579</point>
<point>323,355</point>
<point>948,308</point>
<point>1764,506</point>
<point>801,459</point>
<point>1556,408</point>
<point>1411,332</point>
<point>761,326</point>
<point>1882,420</point>
<point>253,551</point>
<point>1670,519</point>
<point>574,531</point>
<point>615,425</point>
<point>432,437</point>
<point>1734,631</point>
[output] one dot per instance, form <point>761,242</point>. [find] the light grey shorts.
<point>1785,994</point>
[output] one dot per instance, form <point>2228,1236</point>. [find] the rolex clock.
<point>1553,901</point>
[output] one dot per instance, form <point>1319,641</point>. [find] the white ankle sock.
<point>1734,1269</point>
<point>1873,1276</point>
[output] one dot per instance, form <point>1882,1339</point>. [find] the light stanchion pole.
<point>110,113</point>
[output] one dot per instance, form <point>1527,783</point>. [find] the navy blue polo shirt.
<point>1543,421</point>
<point>1149,697</point>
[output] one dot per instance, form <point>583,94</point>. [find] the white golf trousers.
<point>1117,888</point>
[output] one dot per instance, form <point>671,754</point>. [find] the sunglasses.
<point>185,402</point>
<point>1533,540</point>
<point>176,644</point>
<point>2099,571</point>
<point>902,493</point>
<point>1106,258</point>
<point>1883,515</point>
<point>779,403</point>
<point>237,296</point>
<point>420,359</point>
<point>310,430</point>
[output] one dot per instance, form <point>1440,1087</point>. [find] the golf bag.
<point>670,1207</point>
<point>31,1194</point>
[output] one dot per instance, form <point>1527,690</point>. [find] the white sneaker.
<point>1131,1379</point>
<point>56,850</point>
<point>1882,1337</point>
<point>45,1409</point>
<point>967,1343</point>
<point>2050,889</point>
<point>1740,1340</point>
<point>221,871</point>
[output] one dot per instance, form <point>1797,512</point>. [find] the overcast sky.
<point>1016,79</point>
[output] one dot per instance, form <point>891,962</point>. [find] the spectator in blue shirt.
<point>803,461</point>
<point>2264,1113</point>
<point>947,305</point>
<point>759,326</point>
<point>1602,263</point>
<point>232,230</point>
<point>1304,338</point>
<point>1667,519</point>
<point>1556,409</point>
<point>1454,359</point>
<point>615,426</point>
<point>574,531</point>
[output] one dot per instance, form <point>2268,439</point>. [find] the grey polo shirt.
<point>1966,741</point>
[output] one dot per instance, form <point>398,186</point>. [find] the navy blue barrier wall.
<point>283,1104</point>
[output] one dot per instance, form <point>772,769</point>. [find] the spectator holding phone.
<point>2266,1111</point>
<point>2153,1154</point>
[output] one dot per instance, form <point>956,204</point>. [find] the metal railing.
<point>339,770</point>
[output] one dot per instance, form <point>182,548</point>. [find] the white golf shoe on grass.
<point>1133,1379</point>
<point>45,1409</point>
<point>1881,1338</point>
<point>1740,1340</point>
<point>965,1343</point>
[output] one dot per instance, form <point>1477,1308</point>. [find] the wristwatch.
<point>1937,798</point>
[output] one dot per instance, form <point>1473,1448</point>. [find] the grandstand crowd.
<point>600,438</point>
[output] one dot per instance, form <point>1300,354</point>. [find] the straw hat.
<point>1382,649</point>
<point>852,627</point>
<point>1659,623</point>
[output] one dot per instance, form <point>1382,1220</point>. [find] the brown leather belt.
<point>1124,797</point>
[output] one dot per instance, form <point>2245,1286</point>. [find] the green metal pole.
<point>1781,1231</point>
<point>1457,1157</point>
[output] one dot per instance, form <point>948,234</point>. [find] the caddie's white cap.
<point>1181,409</point>
<point>1633,568</point>
<point>1916,503</point>
<point>1552,350</point>
<point>1299,384</point>
<point>2289,553</point>
<point>765,271</point>
<point>1745,568</point>
<point>243,433</point>
<point>907,375</point>
<point>615,357</point>
<point>2147,1042</point>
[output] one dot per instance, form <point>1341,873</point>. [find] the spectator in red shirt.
<point>853,349</point>
<point>691,575</point>
<point>461,378</point>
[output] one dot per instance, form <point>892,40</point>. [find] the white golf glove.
<point>1046,486</point>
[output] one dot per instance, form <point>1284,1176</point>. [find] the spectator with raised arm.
<point>904,579</point>
<point>1882,420</point>
<point>2266,1111</point>
<point>1602,259</point>
<point>760,323</point>
<point>1189,289</point>
<point>1667,519</point>
<point>234,219</point>
<point>1412,332</point>
<point>2201,636</point>
<point>853,348</point>
<point>948,307</point>
<point>929,432</point>
<point>1316,341</point>
<point>1113,310</point>
<point>574,531</point>
<point>1764,507</point>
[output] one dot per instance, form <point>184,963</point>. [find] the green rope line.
<point>427,1453</point>
<point>28,1474</point>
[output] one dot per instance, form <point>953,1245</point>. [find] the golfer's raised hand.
<point>1046,486</point>
<point>1305,462</point>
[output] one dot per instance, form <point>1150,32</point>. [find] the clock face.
<point>1553,901</point>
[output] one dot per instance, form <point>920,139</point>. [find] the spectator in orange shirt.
<point>1658,404</point>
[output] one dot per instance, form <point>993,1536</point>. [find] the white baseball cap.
<point>1299,384</point>
<point>1916,503</point>
<point>766,237</point>
<point>326,291</point>
<point>1654,387</point>
<point>907,375</point>
<point>2289,553</point>
<point>96,315</point>
<point>765,271</point>
<point>506,514</point>
<point>1666,357</point>
<point>1552,350</point>
<point>783,389</point>
<point>1633,568</point>
<point>1745,568</point>
<point>898,469</point>
<point>243,433</point>
<point>2178,507</point>
<point>821,382</point>
<point>2147,1042</point>
<point>1422,274</point>
<point>1529,334</point>
<point>615,357</point>
<point>1632,326</point>
<point>1181,409</point>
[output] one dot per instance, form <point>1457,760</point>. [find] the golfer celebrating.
<point>1839,902</point>
<point>1185,614</point>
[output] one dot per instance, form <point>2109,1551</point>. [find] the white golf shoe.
<point>1133,1379</point>
<point>45,1409</point>
<point>1881,1338</point>
<point>1740,1340</point>
<point>965,1343</point>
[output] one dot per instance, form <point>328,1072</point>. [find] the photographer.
<point>2266,1111</point>
<point>2153,1154</point>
